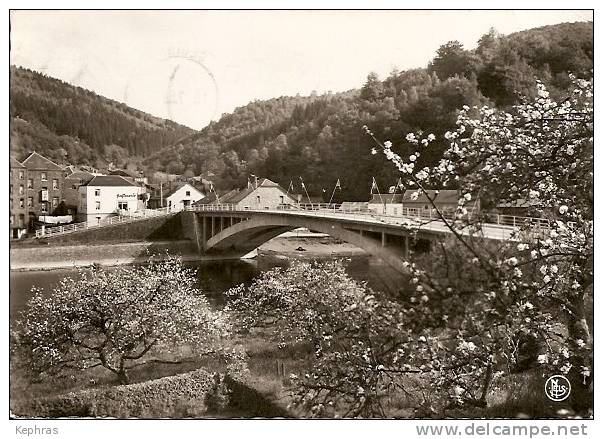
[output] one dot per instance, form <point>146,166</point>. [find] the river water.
<point>214,277</point>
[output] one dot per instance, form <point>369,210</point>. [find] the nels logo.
<point>557,388</point>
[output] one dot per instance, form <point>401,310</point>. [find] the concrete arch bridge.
<point>224,229</point>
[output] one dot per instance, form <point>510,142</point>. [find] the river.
<point>214,277</point>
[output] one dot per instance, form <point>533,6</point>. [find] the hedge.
<point>178,396</point>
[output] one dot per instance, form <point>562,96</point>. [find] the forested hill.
<point>321,139</point>
<point>68,123</point>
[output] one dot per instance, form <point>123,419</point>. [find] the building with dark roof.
<point>107,195</point>
<point>445,200</point>
<point>212,197</point>
<point>266,195</point>
<point>44,187</point>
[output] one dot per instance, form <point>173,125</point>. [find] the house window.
<point>55,183</point>
<point>10,191</point>
<point>258,199</point>
<point>29,201</point>
<point>97,205</point>
<point>188,193</point>
<point>30,183</point>
<point>44,176</point>
<point>55,201</point>
<point>282,199</point>
<point>97,192</point>
<point>44,207</point>
<point>21,189</point>
<point>11,204</point>
<point>21,175</point>
<point>122,205</point>
<point>12,219</point>
<point>21,220</point>
<point>21,203</point>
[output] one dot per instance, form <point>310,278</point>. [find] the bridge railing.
<point>124,216</point>
<point>216,208</point>
<point>330,209</point>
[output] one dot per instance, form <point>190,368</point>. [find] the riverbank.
<point>111,254</point>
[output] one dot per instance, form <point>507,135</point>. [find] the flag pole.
<point>378,193</point>
<point>211,186</point>
<point>337,185</point>
<point>399,185</point>
<point>306,191</point>
<point>290,186</point>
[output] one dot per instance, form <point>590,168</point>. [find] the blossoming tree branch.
<point>534,287</point>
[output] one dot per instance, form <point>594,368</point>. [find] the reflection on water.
<point>215,277</point>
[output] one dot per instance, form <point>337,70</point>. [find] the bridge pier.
<point>383,239</point>
<point>213,227</point>
<point>203,230</point>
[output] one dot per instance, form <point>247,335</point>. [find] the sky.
<point>193,66</point>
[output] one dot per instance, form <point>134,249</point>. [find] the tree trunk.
<point>122,374</point>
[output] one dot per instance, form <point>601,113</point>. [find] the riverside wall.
<point>67,256</point>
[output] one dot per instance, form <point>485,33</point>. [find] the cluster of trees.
<point>475,313</point>
<point>82,122</point>
<point>320,137</point>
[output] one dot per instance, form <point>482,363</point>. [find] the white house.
<point>107,195</point>
<point>182,195</point>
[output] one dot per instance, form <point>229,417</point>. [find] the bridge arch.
<point>244,236</point>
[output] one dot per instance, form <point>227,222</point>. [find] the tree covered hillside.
<point>68,123</point>
<point>321,139</point>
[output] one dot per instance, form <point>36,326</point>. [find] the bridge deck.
<point>501,230</point>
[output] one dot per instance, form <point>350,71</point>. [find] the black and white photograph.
<point>302,214</point>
